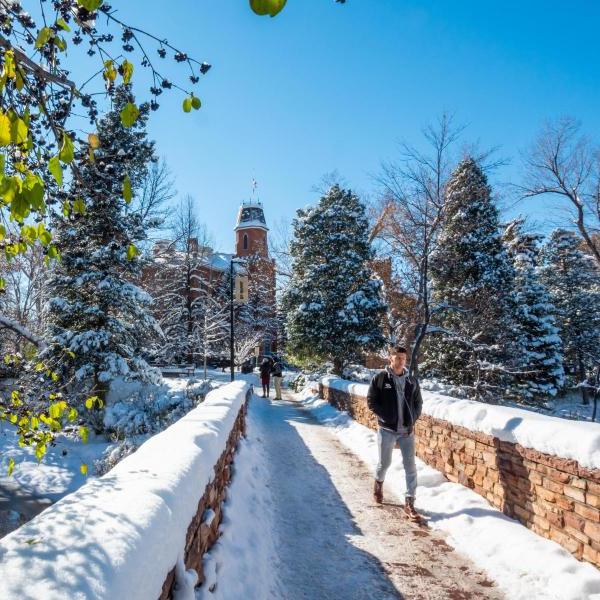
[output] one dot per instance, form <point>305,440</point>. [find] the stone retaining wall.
<point>203,533</point>
<point>553,496</point>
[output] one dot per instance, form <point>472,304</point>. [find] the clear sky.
<point>326,86</point>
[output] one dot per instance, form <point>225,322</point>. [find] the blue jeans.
<point>386,440</point>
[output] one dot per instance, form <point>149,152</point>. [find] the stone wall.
<point>203,532</point>
<point>553,496</point>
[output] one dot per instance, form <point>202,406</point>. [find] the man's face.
<point>398,361</point>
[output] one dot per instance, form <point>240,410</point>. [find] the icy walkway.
<point>300,523</point>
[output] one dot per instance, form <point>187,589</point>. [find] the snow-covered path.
<point>307,524</point>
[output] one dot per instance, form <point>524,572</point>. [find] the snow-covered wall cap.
<point>577,440</point>
<point>119,536</point>
<point>343,385</point>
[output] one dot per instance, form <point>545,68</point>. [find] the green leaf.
<point>84,469</point>
<point>19,207</point>
<point>61,23</point>
<point>43,36</point>
<point>267,7</point>
<point>90,5</point>
<point>67,150</point>
<point>126,71</point>
<point>46,238</point>
<point>132,252</point>
<point>55,169</point>
<point>196,104</point>
<point>11,466</point>
<point>187,105</point>
<point>18,128</point>
<point>129,114</point>
<point>61,43</point>
<point>33,187</point>
<point>79,207</point>
<point>52,252</point>
<point>127,194</point>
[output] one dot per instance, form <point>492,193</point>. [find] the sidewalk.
<point>329,540</point>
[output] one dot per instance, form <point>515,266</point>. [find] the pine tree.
<point>573,280</point>
<point>540,357</point>
<point>98,319</point>
<point>472,281</point>
<point>333,304</point>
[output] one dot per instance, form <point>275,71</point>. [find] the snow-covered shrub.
<point>112,455</point>
<point>358,373</point>
<point>145,413</point>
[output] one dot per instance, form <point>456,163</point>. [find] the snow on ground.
<point>33,486</point>
<point>119,535</point>
<point>59,472</point>
<point>523,564</point>
<point>242,564</point>
<point>578,440</point>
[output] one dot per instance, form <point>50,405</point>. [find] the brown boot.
<point>409,509</point>
<point>378,492</point>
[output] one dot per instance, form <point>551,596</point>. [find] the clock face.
<point>252,213</point>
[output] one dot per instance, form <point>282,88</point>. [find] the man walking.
<point>396,400</point>
<point>277,373</point>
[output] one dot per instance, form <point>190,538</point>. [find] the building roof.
<point>251,216</point>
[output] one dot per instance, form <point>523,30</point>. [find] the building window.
<point>245,241</point>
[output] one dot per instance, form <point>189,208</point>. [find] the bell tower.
<point>251,230</point>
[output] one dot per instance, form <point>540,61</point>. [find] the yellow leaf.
<point>84,469</point>
<point>4,130</point>
<point>127,71</point>
<point>93,140</point>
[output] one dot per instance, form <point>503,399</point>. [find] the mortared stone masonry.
<point>555,497</point>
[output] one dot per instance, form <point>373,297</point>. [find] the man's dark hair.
<point>398,350</point>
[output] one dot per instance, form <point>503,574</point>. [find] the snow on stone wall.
<point>542,471</point>
<point>119,536</point>
<point>576,440</point>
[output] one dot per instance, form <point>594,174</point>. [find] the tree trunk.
<point>583,380</point>
<point>596,392</point>
<point>338,366</point>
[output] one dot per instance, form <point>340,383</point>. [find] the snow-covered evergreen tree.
<point>333,304</point>
<point>472,276</point>
<point>540,357</point>
<point>98,319</point>
<point>573,280</point>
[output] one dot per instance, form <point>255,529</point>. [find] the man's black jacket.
<point>382,400</point>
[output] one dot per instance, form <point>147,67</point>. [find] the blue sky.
<point>326,87</point>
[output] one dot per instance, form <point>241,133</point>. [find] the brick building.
<point>190,270</point>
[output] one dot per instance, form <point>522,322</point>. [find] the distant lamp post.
<point>238,291</point>
<point>256,355</point>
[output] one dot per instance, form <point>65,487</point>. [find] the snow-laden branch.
<point>22,331</point>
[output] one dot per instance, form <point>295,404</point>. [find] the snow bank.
<point>119,536</point>
<point>523,564</point>
<point>552,435</point>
